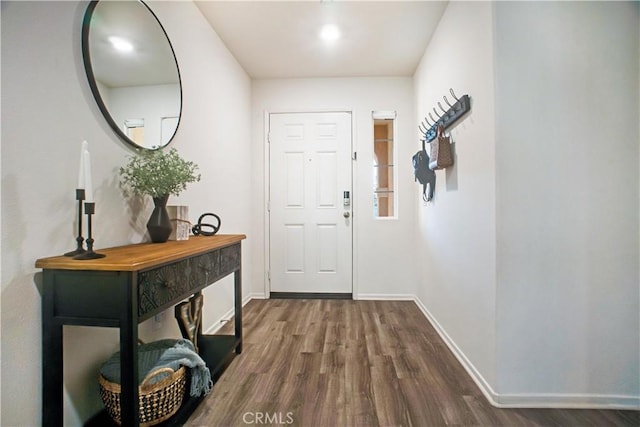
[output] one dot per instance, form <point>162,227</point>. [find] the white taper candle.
<point>88,184</point>
<point>83,148</point>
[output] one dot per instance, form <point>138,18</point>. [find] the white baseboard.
<point>475,375</point>
<point>222,320</point>
<point>568,401</point>
<point>529,400</point>
<point>385,297</point>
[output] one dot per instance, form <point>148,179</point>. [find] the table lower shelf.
<point>217,351</point>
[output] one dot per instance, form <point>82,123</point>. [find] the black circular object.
<point>204,229</point>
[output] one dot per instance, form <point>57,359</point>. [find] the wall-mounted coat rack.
<point>447,118</point>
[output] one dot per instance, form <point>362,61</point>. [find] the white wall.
<point>47,110</point>
<point>456,244</point>
<point>567,202</point>
<point>384,261</point>
<point>531,246</point>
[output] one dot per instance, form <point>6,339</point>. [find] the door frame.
<point>267,186</point>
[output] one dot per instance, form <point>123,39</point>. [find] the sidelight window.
<point>384,174</point>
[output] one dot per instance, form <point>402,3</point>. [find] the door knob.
<point>346,214</point>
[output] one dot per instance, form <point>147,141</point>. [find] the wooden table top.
<point>142,255</point>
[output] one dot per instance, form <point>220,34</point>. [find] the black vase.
<point>159,224</point>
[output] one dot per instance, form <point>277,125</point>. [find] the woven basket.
<point>157,401</point>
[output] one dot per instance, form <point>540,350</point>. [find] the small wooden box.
<point>179,216</point>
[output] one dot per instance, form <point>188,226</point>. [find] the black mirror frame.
<point>86,57</point>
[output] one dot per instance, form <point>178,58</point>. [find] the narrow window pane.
<point>384,199</point>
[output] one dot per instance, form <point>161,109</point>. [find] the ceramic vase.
<point>159,224</point>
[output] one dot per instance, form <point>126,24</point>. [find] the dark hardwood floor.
<point>359,363</point>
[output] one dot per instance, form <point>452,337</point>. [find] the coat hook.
<point>435,111</point>
<point>447,101</point>
<point>433,120</point>
<point>453,94</point>
<point>428,123</point>
<point>420,126</point>
<point>443,110</point>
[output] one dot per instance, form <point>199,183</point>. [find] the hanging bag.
<point>441,155</point>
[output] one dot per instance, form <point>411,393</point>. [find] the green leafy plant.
<point>158,173</point>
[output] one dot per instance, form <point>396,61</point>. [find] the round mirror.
<point>132,71</point>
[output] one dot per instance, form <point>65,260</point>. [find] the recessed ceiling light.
<point>121,44</point>
<point>329,33</point>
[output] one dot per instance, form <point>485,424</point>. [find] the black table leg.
<point>129,358</point>
<point>52,371</point>
<point>238,308</point>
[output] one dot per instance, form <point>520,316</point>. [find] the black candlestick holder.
<point>79,250</point>
<point>89,208</point>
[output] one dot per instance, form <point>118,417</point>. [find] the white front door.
<point>310,224</point>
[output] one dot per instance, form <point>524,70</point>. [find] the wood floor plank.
<point>358,389</point>
<point>390,404</point>
<point>421,403</point>
<point>342,363</point>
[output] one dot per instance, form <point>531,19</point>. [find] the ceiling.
<point>279,39</point>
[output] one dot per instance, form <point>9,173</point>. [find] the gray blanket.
<point>164,353</point>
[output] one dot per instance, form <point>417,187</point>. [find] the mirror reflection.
<point>132,72</point>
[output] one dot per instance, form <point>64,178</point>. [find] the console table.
<point>132,284</point>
